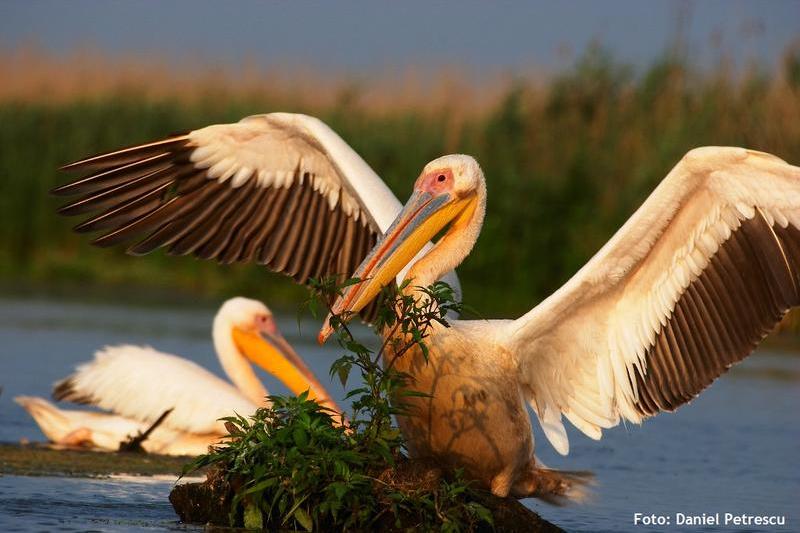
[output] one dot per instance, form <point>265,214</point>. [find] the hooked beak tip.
<point>324,333</point>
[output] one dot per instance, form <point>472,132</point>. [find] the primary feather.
<point>687,287</point>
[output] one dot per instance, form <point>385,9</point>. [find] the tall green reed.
<point>566,161</point>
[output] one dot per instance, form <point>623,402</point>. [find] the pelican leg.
<point>502,483</point>
<point>553,486</point>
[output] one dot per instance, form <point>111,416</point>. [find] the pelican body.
<point>105,431</point>
<point>138,384</point>
<point>689,285</point>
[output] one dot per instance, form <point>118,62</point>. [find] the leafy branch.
<point>292,465</point>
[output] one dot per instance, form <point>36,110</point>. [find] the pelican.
<point>105,431</point>
<point>687,287</point>
<point>137,384</point>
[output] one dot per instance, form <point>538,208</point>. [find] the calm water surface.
<point>74,504</point>
<point>734,449</point>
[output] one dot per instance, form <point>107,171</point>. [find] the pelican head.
<point>247,315</point>
<point>245,328</point>
<point>451,190</point>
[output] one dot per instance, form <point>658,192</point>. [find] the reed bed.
<point>567,158</point>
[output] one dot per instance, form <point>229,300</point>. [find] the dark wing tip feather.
<point>743,293</point>
<point>114,157</point>
<point>64,391</point>
<point>62,190</point>
<point>154,197</point>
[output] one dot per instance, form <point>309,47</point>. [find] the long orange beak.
<point>276,356</point>
<point>423,216</point>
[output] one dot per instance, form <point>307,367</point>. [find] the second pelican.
<point>137,384</point>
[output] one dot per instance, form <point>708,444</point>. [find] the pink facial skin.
<point>436,181</point>
<point>266,324</point>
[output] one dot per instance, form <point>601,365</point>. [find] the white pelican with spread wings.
<point>686,288</point>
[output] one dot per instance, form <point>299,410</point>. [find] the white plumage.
<point>138,384</point>
<point>141,383</point>
<point>106,431</point>
<point>686,288</point>
<point>280,148</point>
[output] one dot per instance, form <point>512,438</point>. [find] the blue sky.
<point>359,36</point>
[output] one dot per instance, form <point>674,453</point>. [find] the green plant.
<point>296,464</point>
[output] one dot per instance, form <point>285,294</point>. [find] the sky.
<point>355,36</point>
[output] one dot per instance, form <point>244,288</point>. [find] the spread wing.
<point>690,284</point>
<point>282,190</point>
<point>141,383</point>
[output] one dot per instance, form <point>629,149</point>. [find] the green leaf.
<point>356,392</point>
<point>424,349</point>
<point>482,513</point>
<point>300,437</point>
<point>303,519</point>
<point>294,508</point>
<point>252,517</point>
<point>344,372</point>
<point>260,486</point>
<point>350,281</point>
<point>339,489</point>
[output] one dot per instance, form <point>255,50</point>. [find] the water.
<point>72,504</point>
<point>734,449</point>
